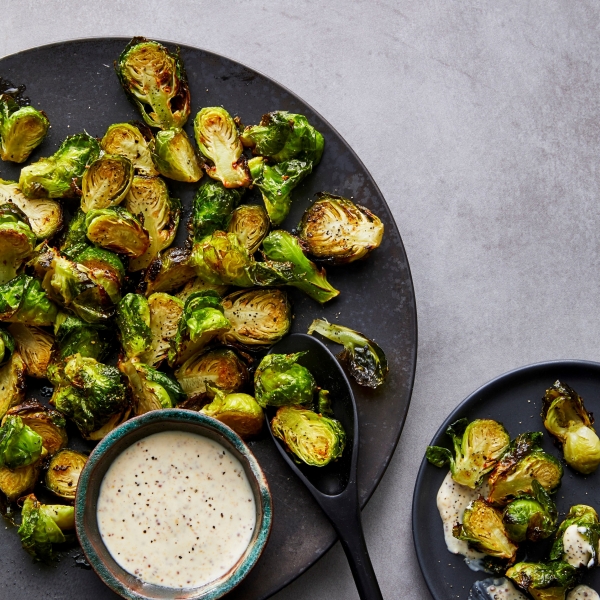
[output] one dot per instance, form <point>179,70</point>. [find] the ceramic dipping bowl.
<point>118,440</point>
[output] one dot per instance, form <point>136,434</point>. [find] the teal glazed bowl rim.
<point>113,444</point>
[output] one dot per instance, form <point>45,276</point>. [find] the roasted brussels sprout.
<point>282,135</point>
<point>43,525</point>
<point>217,137</point>
<point>155,81</point>
<point>118,230</point>
<point>35,347</point>
<point>165,314</point>
<point>313,439</point>
<point>133,321</point>
<point>58,176</point>
<point>170,270</point>
<point>105,269</point>
<point>531,517</point>
<point>212,208</point>
<point>7,346</point>
<point>149,200</point>
<point>20,445</point>
<point>276,183</point>
<point>279,380</point>
<point>241,412</point>
<point>63,473</point>
<point>566,418</point>
<point>106,182</point>
<point>544,581</point>
<point>201,321</point>
<point>523,463</point>
<point>175,157</point>
<point>14,483</point>
<point>477,446</point>
<point>12,383</point>
<point>75,240</point>
<point>483,529</point>
<point>577,538</point>
<point>259,317</point>
<point>199,285</point>
<point>250,222</point>
<point>91,340</point>
<point>45,215</point>
<point>133,141</point>
<point>338,231</point>
<point>17,241</point>
<point>22,300</point>
<point>22,129</point>
<point>287,265</point>
<point>363,358</point>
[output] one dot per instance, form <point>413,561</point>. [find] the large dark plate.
<point>514,399</point>
<point>75,84</point>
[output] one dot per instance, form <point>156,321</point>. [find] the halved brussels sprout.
<point>133,141</point>
<point>250,222</point>
<point>58,176</point>
<point>218,139</point>
<point>170,270</point>
<point>524,462</point>
<point>175,157</point>
<point>577,538</point>
<point>133,321</point>
<point>154,79</point>
<point>43,525</point>
<point>63,473</point>
<point>12,383</point>
<point>17,241</point>
<point>7,346</point>
<point>338,231</point>
<point>149,200</point>
<point>313,439</point>
<point>199,285</point>
<point>75,241</point>
<point>118,230</point>
<point>165,314</point>
<point>45,215</point>
<point>477,446</point>
<point>214,369</point>
<point>114,422</point>
<point>566,418</point>
<point>14,483</point>
<point>22,129</point>
<point>106,269</point>
<point>259,317</point>
<point>544,581</point>
<point>91,340</point>
<point>20,445</point>
<point>35,347</point>
<point>279,380</point>
<point>483,529</point>
<point>201,321</point>
<point>106,182</point>
<point>241,412</point>
<point>363,358</point>
<point>23,300</point>
<point>289,266</point>
<point>282,135</point>
<point>212,209</point>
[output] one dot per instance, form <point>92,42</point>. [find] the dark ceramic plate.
<point>514,399</point>
<point>74,82</point>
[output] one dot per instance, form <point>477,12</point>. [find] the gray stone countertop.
<point>479,122</point>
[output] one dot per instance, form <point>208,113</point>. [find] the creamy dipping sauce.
<point>176,509</point>
<point>582,592</point>
<point>495,589</point>
<point>577,551</point>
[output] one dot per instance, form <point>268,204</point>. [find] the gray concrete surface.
<point>479,121</point>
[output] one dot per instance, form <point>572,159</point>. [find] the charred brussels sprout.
<point>577,538</point>
<point>544,581</point>
<point>279,380</point>
<point>75,241</point>
<point>149,200</point>
<point>566,418</point>
<point>165,314</point>
<point>106,182</point>
<point>14,483</point>
<point>250,223</point>
<point>155,81</point>
<point>7,346</point>
<point>212,208</point>
<point>12,383</point>
<point>259,317</point>
<point>22,300</point>
<point>170,270</point>
<point>313,439</point>
<point>20,445</point>
<point>477,447</point>
<point>175,157</point>
<point>241,412</point>
<point>43,525</point>
<point>105,269</point>
<point>118,230</point>
<point>58,176</point>
<point>133,321</point>
<point>17,241</point>
<point>282,135</point>
<point>35,347</point>
<point>74,335</point>
<point>217,137</point>
<point>287,265</point>
<point>132,141</point>
<point>201,321</point>
<point>363,358</point>
<point>483,529</point>
<point>338,231</point>
<point>63,473</point>
<point>22,129</point>
<point>524,462</point>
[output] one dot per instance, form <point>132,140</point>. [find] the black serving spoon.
<point>334,486</point>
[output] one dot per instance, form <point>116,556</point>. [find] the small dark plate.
<point>514,399</point>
